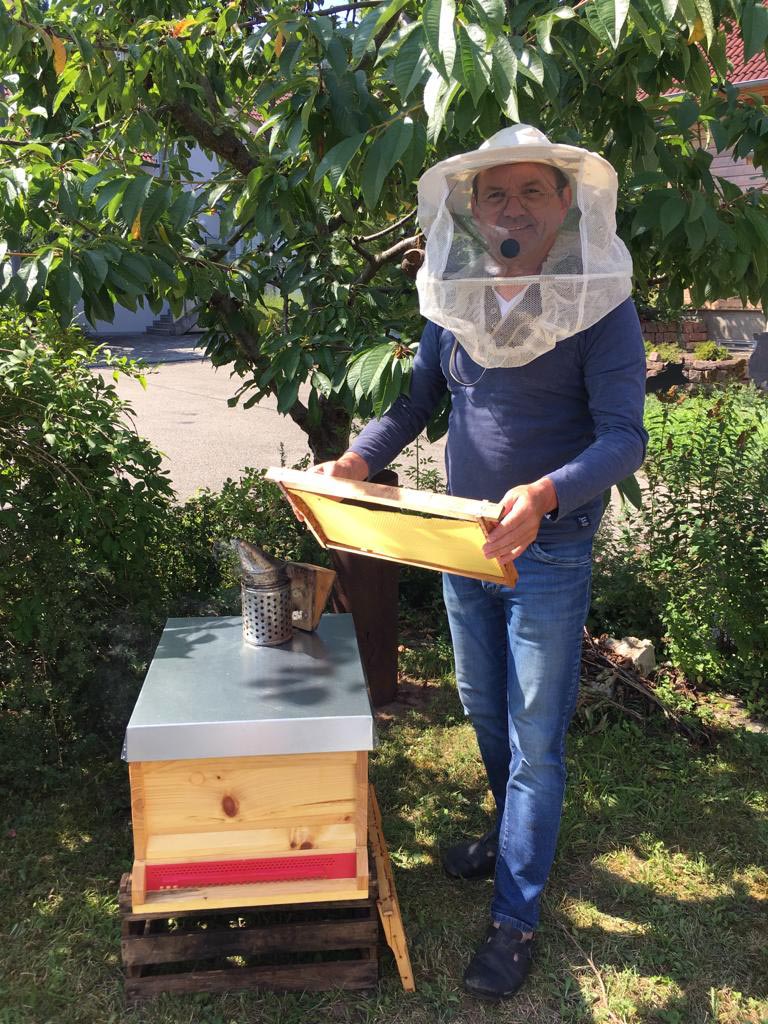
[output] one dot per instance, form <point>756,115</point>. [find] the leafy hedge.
<point>94,554</point>
<point>82,500</point>
<point>691,567</point>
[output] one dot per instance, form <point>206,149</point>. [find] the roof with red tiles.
<point>753,70</point>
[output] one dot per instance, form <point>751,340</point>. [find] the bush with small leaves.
<point>83,500</point>
<point>667,351</point>
<point>711,350</point>
<point>690,569</point>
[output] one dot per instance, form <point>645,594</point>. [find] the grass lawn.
<point>657,909</point>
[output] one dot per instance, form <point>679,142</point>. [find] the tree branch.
<point>377,260</point>
<point>389,230</point>
<point>229,309</point>
<point>220,140</point>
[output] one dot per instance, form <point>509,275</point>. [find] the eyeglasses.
<point>530,198</point>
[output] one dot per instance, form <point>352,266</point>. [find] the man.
<point>546,371</point>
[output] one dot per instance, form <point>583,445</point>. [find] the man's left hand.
<point>524,508</point>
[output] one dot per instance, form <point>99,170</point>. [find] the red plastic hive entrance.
<point>243,872</point>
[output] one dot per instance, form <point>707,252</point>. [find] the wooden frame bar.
<point>374,511</point>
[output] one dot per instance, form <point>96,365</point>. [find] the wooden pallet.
<point>306,947</point>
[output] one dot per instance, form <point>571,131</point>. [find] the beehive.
<point>249,769</point>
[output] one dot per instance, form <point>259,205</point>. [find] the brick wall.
<point>687,333</point>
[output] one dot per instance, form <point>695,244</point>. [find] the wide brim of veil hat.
<point>520,143</point>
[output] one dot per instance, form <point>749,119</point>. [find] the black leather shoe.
<point>500,965</point>
<point>476,858</point>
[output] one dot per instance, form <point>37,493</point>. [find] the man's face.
<point>522,202</point>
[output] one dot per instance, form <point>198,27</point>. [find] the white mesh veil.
<point>520,255</point>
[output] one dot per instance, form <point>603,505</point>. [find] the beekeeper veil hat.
<point>521,247</point>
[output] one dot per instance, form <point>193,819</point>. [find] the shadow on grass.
<point>660,884</point>
<point>656,910</point>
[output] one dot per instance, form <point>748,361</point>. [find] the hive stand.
<point>284,948</point>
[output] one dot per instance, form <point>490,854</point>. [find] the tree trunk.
<point>330,437</point>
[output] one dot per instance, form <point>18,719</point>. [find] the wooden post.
<point>368,588</point>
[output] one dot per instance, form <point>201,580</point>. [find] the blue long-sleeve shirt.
<point>574,414</point>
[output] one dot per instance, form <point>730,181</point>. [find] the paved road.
<point>184,413</point>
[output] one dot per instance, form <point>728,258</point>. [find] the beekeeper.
<point>525,287</point>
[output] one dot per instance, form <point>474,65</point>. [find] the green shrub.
<point>690,570</point>
<point>624,599</point>
<point>707,530</point>
<point>82,501</point>
<point>669,352</point>
<point>193,561</point>
<point>711,350</point>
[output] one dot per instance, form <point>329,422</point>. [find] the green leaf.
<point>28,276</point>
<point>96,268</point>
<point>474,74</point>
<point>697,207</point>
<point>700,75</point>
<point>672,213</point>
<point>696,235</point>
<point>650,38</point>
<point>381,158</point>
<point>155,206</point>
<point>688,10</point>
<point>137,267</point>
<point>612,14</point>
<point>438,20</point>
<point>252,44</point>
<point>65,284</point>
<point>181,210</point>
<point>438,95</point>
<point>410,65</point>
<point>363,36</point>
<point>685,114</point>
<point>718,55</point>
<point>669,7</point>
<point>414,156</point>
<point>529,61</point>
<point>391,391</point>
<point>504,71</point>
<point>629,490</point>
<point>754,28</point>
<point>287,395</point>
<point>371,365</point>
<point>543,32</point>
<point>321,383</point>
<point>705,13</point>
<point>112,191</point>
<point>133,198</point>
<point>337,159</point>
<point>759,221</point>
<point>68,199</point>
<point>86,189</point>
<point>492,11</point>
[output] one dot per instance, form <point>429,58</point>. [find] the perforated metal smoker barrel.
<point>267,614</point>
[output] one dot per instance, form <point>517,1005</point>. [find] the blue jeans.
<point>518,654</point>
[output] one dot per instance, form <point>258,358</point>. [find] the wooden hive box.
<point>249,769</point>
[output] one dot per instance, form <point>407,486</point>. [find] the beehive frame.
<point>434,531</point>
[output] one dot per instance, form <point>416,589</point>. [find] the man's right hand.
<point>349,466</point>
